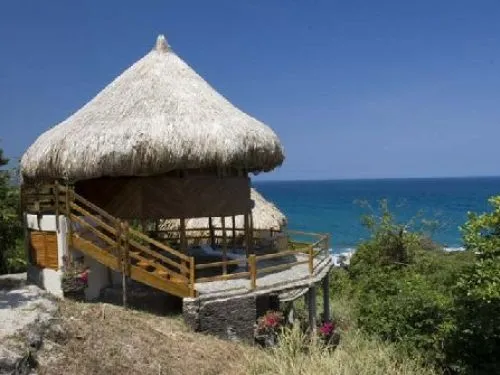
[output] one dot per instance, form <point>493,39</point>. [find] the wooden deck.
<point>113,243</point>
<point>293,277</point>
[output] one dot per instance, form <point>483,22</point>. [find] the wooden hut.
<point>156,143</point>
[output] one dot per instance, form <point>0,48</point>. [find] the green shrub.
<point>476,343</point>
<point>402,284</point>
<point>404,307</point>
<point>12,255</point>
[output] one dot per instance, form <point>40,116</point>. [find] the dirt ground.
<point>107,339</point>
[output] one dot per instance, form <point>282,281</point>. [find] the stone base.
<point>231,318</point>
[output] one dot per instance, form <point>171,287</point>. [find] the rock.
<point>35,339</point>
<point>16,362</point>
<point>55,332</point>
<point>8,360</point>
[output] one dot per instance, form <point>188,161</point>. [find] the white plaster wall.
<point>98,278</point>
<point>46,278</point>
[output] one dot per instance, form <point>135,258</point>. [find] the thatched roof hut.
<point>265,216</point>
<point>159,115</point>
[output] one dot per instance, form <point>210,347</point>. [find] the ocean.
<point>333,206</point>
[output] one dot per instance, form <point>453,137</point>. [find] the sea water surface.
<point>331,206</point>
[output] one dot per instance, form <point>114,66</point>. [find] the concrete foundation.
<point>45,278</point>
<point>50,280</point>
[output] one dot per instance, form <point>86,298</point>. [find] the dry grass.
<point>356,355</point>
<point>106,339</point>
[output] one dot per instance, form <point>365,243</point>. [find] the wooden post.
<point>233,220</point>
<point>125,263</point>
<point>224,245</point>
<point>182,235</point>
<point>250,233</point>
<point>56,193</point>
<point>69,233</point>
<point>183,242</point>
<point>247,230</point>
<point>326,298</point>
<point>311,302</point>
<point>119,244</point>
<point>192,277</point>
<point>311,260</point>
<point>211,230</point>
<point>157,229</point>
<point>253,271</point>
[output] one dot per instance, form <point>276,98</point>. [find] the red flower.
<point>84,277</point>
<point>327,328</point>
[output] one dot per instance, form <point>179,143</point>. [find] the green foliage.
<point>402,286</point>
<point>12,258</point>
<point>405,307</point>
<point>476,342</point>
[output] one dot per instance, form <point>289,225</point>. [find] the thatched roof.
<point>157,116</point>
<point>265,215</point>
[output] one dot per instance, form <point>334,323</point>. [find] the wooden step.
<point>145,264</point>
<point>168,276</point>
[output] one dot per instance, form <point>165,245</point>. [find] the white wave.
<point>451,249</point>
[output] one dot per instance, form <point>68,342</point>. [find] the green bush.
<point>476,342</point>
<point>402,286</point>
<point>404,307</point>
<point>12,255</point>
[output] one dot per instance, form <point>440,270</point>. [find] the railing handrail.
<point>185,264</point>
<point>254,270</point>
<point>125,239</point>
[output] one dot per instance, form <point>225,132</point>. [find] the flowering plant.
<point>326,329</point>
<point>328,332</point>
<point>75,277</point>
<point>270,322</point>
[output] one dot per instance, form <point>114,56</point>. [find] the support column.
<point>212,232</point>
<point>247,236</point>
<point>233,222</point>
<point>311,303</point>
<point>326,298</point>
<point>224,245</point>
<point>182,236</point>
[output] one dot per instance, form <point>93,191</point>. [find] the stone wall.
<point>230,318</point>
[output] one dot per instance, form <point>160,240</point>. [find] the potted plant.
<point>267,327</point>
<point>74,279</point>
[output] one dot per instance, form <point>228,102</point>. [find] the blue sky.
<point>355,89</point>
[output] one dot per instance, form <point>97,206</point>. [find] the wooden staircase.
<point>114,244</point>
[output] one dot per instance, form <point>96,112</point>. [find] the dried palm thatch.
<point>157,116</point>
<point>265,215</point>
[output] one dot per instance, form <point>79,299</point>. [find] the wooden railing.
<point>311,253</point>
<point>129,246</point>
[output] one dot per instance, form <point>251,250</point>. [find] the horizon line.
<point>382,178</point>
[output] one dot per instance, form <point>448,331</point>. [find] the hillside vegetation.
<point>107,339</point>
<point>442,307</point>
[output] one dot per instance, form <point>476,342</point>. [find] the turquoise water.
<point>330,206</point>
